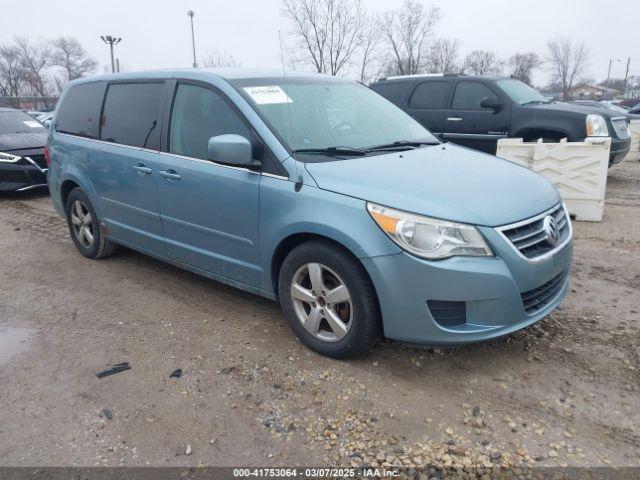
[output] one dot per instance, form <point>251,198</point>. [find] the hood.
<point>442,181</point>
<point>21,141</point>
<point>574,108</point>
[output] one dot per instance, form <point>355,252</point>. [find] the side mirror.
<point>231,149</point>
<point>493,103</point>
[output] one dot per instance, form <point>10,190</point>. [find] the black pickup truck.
<point>477,111</point>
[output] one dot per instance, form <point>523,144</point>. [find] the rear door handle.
<point>454,119</point>
<point>142,169</point>
<point>170,174</point>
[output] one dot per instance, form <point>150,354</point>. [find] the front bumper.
<point>491,288</point>
<point>23,174</point>
<point>619,150</point>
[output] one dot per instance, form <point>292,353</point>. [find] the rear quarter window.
<point>79,113</point>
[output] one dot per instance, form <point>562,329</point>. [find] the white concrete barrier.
<point>577,169</point>
<point>634,152</point>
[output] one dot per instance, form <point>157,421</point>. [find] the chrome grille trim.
<point>520,242</point>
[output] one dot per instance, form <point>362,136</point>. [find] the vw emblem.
<point>550,228</point>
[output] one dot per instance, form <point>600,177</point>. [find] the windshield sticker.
<point>268,95</point>
<point>32,123</point>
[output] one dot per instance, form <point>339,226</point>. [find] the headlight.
<point>596,126</point>
<point>429,238</point>
<point>8,158</point>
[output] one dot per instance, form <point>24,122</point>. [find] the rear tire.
<point>329,301</point>
<point>84,227</point>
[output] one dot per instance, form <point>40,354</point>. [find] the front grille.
<point>40,160</point>
<point>530,237</point>
<point>621,126</point>
<point>538,298</point>
<point>448,314</point>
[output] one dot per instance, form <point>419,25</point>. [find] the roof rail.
<point>421,75</point>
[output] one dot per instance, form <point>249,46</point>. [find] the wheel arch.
<point>290,242</point>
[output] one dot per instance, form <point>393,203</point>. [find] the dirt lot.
<point>563,392</point>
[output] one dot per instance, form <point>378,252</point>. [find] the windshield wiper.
<point>332,151</point>
<point>404,144</point>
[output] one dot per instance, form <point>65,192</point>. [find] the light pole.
<point>190,13</point>
<point>111,41</point>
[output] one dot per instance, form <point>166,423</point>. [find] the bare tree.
<point>370,61</point>
<point>407,33</point>
<point>568,62</point>
<point>443,56</point>
<point>522,66</point>
<point>483,63</point>
<point>69,54</point>
<point>11,71</point>
<point>327,32</point>
<point>34,60</point>
<point>219,60</point>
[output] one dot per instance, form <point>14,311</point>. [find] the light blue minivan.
<point>314,191</point>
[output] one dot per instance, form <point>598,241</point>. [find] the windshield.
<point>318,114</point>
<point>520,92</point>
<point>19,122</point>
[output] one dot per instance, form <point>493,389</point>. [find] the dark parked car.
<point>22,151</point>
<point>477,111</point>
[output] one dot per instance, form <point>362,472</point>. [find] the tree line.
<point>342,37</point>
<point>41,69</point>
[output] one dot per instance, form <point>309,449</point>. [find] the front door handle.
<point>142,169</point>
<point>170,174</point>
<point>454,119</point>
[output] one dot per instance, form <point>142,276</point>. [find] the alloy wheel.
<point>82,223</point>
<point>322,302</point>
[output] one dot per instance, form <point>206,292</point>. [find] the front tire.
<point>84,227</point>
<point>329,300</point>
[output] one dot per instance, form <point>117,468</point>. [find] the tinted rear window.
<point>79,112</point>
<point>430,95</point>
<point>393,91</point>
<point>132,114</point>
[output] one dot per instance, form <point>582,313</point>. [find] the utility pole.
<point>626,76</point>
<point>608,84</point>
<point>190,13</point>
<point>111,41</point>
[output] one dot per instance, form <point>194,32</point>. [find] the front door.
<point>468,124</point>
<point>124,171</point>
<point>209,211</point>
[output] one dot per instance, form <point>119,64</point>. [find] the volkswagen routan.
<point>314,191</point>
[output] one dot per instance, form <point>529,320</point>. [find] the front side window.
<point>132,113</point>
<point>199,114</point>
<point>469,96</point>
<point>310,113</point>
<point>79,112</point>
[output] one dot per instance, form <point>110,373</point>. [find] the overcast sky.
<point>156,34</point>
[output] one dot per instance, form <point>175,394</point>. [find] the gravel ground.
<point>564,392</point>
